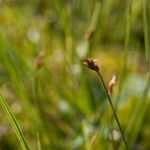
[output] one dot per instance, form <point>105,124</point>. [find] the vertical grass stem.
<point>113,109</point>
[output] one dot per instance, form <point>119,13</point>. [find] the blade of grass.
<point>123,72</point>
<point>137,117</point>
<point>7,57</point>
<point>126,43</point>
<point>38,142</point>
<point>12,70</point>
<point>142,106</point>
<point>93,25</point>
<point>14,123</point>
<point>140,109</point>
<point>96,15</point>
<point>146,33</point>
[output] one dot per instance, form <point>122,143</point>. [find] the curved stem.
<point>113,109</point>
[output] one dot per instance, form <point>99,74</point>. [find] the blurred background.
<point>58,103</point>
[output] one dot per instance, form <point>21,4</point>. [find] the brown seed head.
<point>90,63</point>
<point>40,59</point>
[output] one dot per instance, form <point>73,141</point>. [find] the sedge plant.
<point>90,63</point>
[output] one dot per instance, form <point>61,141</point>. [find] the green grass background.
<point>61,105</point>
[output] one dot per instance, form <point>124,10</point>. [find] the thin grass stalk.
<point>138,115</point>
<point>141,108</point>
<point>93,24</point>
<point>126,43</point>
<point>38,142</point>
<point>113,109</point>
<point>16,79</point>
<point>125,48</point>
<point>96,15</point>
<point>146,33</point>
<point>11,118</point>
<point>90,63</point>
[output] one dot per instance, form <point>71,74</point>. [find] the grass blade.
<point>140,109</point>
<point>146,31</point>
<point>126,43</point>
<point>11,118</point>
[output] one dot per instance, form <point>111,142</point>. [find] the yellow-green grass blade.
<point>11,118</point>
<point>126,43</point>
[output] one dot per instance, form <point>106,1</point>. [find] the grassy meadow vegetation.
<point>51,97</point>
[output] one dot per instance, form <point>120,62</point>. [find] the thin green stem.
<point>146,32</point>
<point>113,109</point>
<point>38,142</point>
<point>14,123</point>
<point>126,43</point>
